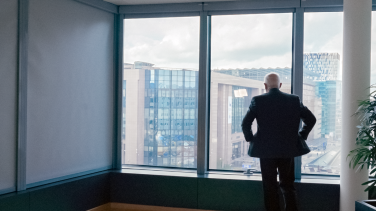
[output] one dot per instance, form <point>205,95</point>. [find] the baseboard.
<point>137,207</point>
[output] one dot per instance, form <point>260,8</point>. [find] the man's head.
<point>271,81</point>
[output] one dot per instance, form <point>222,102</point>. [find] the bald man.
<point>278,118</point>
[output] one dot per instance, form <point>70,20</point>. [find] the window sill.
<point>311,179</point>
<point>158,171</point>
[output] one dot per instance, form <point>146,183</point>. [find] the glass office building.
<point>327,88</point>
<point>166,121</point>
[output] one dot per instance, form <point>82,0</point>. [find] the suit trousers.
<point>285,168</point>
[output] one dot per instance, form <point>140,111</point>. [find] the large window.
<point>322,90</point>
<point>244,49</point>
<point>160,89</point>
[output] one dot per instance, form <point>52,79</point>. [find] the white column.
<point>356,80</point>
<point>134,108</point>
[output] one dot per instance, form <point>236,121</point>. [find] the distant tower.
<point>327,88</point>
<point>325,64</point>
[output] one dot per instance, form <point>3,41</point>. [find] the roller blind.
<point>70,91</point>
<point>8,93</point>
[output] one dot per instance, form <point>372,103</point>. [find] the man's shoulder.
<point>294,96</point>
<point>267,95</point>
<point>259,97</point>
<point>290,98</point>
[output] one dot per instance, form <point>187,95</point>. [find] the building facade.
<point>160,115</point>
<point>328,89</point>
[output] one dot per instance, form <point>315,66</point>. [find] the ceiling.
<point>133,2</point>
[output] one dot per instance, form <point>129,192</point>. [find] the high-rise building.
<point>327,88</point>
<point>325,64</point>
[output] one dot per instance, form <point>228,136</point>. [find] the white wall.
<point>8,93</point>
<point>70,89</point>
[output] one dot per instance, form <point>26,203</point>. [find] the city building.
<point>327,65</point>
<point>162,108</point>
<point>327,89</point>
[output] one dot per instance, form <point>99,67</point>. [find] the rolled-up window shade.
<point>8,93</point>
<point>70,90</point>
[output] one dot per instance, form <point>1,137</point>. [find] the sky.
<point>238,41</point>
<point>251,41</point>
<point>165,42</point>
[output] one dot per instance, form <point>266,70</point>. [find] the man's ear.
<point>266,86</point>
<point>280,85</point>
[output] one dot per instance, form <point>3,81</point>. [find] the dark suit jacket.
<point>278,118</point>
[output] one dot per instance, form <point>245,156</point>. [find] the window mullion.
<point>203,96</point>
<point>118,90</point>
<point>297,67</point>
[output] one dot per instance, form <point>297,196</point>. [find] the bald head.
<point>271,81</point>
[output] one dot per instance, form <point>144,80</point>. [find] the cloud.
<point>242,40</point>
<point>165,42</point>
<point>323,32</point>
<point>238,41</point>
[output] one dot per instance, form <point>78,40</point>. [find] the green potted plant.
<point>364,156</point>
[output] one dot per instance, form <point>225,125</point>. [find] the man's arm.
<point>309,121</point>
<point>247,121</point>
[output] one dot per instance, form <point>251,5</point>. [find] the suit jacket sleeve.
<point>247,121</point>
<point>308,119</point>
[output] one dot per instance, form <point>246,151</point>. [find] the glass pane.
<point>244,49</point>
<point>322,90</point>
<point>160,92</point>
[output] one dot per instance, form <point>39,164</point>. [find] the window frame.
<point>317,10</point>
<point>205,11</point>
<point>248,12</point>
<point>119,75</point>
